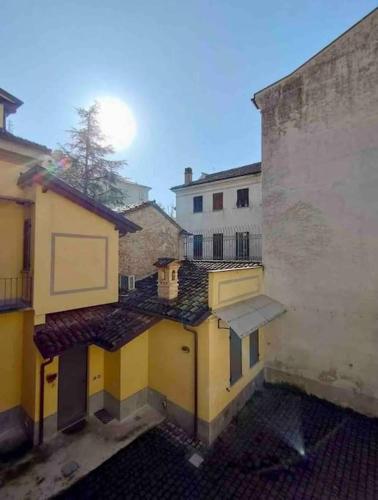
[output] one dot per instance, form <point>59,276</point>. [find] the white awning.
<point>247,316</point>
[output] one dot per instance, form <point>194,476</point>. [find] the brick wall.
<point>158,238</point>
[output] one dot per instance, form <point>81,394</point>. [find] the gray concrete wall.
<point>320,221</point>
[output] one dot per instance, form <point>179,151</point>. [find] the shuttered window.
<point>197,204</point>
<point>27,245</point>
<point>235,357</point>
<point>217,201</point>
<point>253,348</point>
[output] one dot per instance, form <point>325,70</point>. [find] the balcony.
<point>230,243</point>
<point>16,292</point>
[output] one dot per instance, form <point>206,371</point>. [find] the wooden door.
<point>72,389</point>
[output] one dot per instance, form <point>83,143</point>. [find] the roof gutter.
<point>195,379</point>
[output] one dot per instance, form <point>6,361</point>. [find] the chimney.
<point>188,175</point>
<point>168,282</point>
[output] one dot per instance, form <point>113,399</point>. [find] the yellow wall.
<point>11,328</point>
<point>221,393</point>
<point>112,371</point>
<point>227,287</point>
<point>11,237</point>
<point>134,366</point>
<point>78,263</point>
<point>170,368</point>
<point>11,165</point>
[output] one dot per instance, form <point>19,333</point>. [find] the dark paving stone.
<point>283,445</point>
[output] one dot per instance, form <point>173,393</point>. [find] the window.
<point>235,357</point>
<point>253,348</point>
<point>197,246</point>
<point>217,201</point>
<point>173,275</point>
<point>197,204</point>
<point>218,246</point>
<point>242,245</point>
<point>27,245</point>
<point>242,199</point>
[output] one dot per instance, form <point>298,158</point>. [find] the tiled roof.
<point>4,134</point>
<point>109,326</point>
<point>253,168</point>
<point>40,175</point>
<point>191,306</point>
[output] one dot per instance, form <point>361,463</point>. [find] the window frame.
<point>240,203</point>
<point>254,348</point>
<point>197,209</point>
<point>219,245</point>
<point>236,343</point>
<point>217,200</point>
<point>26,246</point>
<point>241,244</point>
<point>197,238</point>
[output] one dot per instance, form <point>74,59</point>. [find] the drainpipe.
<point>195,379</point>
<point>42,397</point>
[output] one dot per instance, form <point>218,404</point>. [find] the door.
<point>72,389</point>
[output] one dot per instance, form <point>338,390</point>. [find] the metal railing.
<point>231,243</point>
<point>16,292</point>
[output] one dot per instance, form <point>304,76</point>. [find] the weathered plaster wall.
<point>158,238</point>
<point>320,220</point>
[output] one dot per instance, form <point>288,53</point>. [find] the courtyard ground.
<point>283,445</point>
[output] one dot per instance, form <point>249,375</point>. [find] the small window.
<point>218,246</point>
<point>173,275</point>
<point>197,204</point>
<point>197,246</point>
<point>242,245</point>
<point>27,245</point>
<point>253,348</point>
<point>235,357</point>
<point>217,201</point>
<point>242,199</point>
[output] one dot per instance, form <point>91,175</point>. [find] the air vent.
<point>126,283</point>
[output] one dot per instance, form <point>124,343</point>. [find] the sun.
<point>117,122</point>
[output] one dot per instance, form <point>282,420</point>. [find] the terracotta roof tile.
<point>191,306</point>
<point>109,326</point>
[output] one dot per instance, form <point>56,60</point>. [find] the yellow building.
<point>186,340</point>
<point>58,252</point>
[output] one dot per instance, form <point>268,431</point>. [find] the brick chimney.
<point>168,283</point>
<point>188,175</point>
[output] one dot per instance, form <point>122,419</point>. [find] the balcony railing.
<point>230,243</point>
<point>16,292</point>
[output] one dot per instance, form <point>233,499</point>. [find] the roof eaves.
<point>40,175</point>
<point>7,136</point>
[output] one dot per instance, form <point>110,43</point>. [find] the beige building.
<point>160,236</point>
<point>320,220</point>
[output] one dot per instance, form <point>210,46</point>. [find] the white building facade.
<point>222,211</point>
<point>134,193</point>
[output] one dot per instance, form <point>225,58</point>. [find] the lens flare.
<point>117,122</point>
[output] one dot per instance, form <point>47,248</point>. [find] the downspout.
<point>42,397</point>
<point>195,379</point>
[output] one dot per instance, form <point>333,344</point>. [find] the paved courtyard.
<point>282,445</point>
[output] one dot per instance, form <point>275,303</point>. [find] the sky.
<point>187,70</point>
